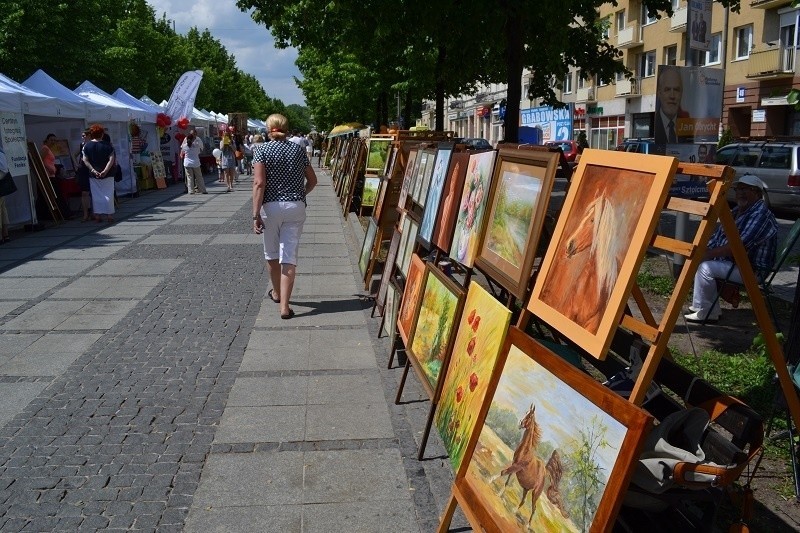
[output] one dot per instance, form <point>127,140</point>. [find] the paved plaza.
<point>148,383</point>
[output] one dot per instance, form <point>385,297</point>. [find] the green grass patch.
<point>655,284</point>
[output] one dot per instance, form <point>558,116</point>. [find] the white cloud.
<point>250,43</point>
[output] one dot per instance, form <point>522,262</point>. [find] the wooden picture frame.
<point>380,198</point>
<point>389,323</point>
<point>435,189</point>
<point>562,412</point>
<point>367,248</point>
<point>423,156</point>
<point>369,193</point>
<point>481,330</point>
<point>377,159</point>
<point>415,281</point>
<point>520,194</point>
<point>443,229</point>
<point>472,208</point>
<point>407,243</point>
<point>608,219</point>
<point>388,270</point>
<point>423,181</point>
<point>408,178</point>
<point>60,149</point>
<point>430,343</point>
<point>46,186</point>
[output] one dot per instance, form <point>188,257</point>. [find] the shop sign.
<point>759,115</point>
<point>774,100</point>
<point>594,110</point>
<point>556,124</point>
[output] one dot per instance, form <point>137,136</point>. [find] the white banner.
<point>181,101</point>
<point>12,130</point>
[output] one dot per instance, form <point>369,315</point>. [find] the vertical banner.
<point>12,130</point>
<point>181,101</point>
<point>556,124</point>
<point>699,23</point>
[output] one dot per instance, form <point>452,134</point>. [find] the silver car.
<point>776,163</point>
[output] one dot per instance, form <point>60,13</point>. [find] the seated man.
<point>759,232</point>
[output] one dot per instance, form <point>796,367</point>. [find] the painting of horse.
<point>547,456</point>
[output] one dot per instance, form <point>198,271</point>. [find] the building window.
<point>620,20</point>
<point>647,64</point>
<point>647,19</point>
<point>702,58</point>
<point>568,83</point>
<point>606,25</point>
<point>744,41</point>
<point>671,55</point>
<point>676,4</point>
<point>581,81</point>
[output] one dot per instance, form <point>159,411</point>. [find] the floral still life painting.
<point>481,331</point>
<point>474,198</point>
<point>439,309</point>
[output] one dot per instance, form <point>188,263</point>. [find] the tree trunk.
<point>514,49</point>
<point>441,58</point>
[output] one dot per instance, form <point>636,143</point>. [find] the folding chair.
<point>730,291</point>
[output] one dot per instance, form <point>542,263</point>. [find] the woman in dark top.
<point>282,177</point>
<point>99,157</point>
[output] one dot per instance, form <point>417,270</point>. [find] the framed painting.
<point>408,178</point>
<point>518,202</point>
<point>434,194</point>
<point>370,191</point>
<point>545,423</point>
<point>426,179</point>
<point>479,339</point>
<point>389,324</point>
<point>609,216</point>
<point>425,158</point>
<point>433,333</point>
<point>405,229</point>
<point>380,198</point>
<point>367,247</point>
<point>415,280</point>
<point>471,208</point>
<point>377,155</point>
<point>442,236</point>
<point>388,270</point>
<point>408,245</point>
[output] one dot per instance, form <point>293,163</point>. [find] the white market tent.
<point>34,115</point>
<point>147,100</point>
<point>149,134</point>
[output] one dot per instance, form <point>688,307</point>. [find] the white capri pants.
<point>283,224</point>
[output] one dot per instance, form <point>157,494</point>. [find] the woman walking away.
<point>228,159</point>
<point>101,160</point>
<point>282,177</point>
<point>191,148</point>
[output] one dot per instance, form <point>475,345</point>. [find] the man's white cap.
<point>753,181</point>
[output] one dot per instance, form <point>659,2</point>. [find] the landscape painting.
<point>367,247</point>
<point>481,331</point>
<point>408,179</point>
<point>521,190</point>
<point>434,194</point>
<point>608,219</point>
<point>434,327</point>
<point>408,306</point>
<point>554,449</point>
<point>408,244</point>
<point>388,269</point>
<point>370,192</point>
<point>474,198</point>
<point>448,205</point>
<point>389,324</point>
<point>425,158</point>
<point>378,155</point>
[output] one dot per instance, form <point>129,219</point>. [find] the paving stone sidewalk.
<point>148,383</point>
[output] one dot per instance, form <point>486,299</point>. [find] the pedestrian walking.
<point>228,159</point>
<point>282,178</point>
<point>191,148</point>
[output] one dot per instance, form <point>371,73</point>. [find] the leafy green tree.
<point>584,483</point>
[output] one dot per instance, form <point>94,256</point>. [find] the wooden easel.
<point>43,182</point>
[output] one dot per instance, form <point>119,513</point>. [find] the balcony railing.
<point>630,37</point>
<point>585,95</point>
<point>769,4</point>
<point>629,88</point>
<point>776,62</point>
<point>678,21</point>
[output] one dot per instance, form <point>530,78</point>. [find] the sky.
<point>250,43</point>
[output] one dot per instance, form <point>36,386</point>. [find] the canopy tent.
<point>127,98</point>
<point>147,100</point>
<point>147,139</point>
<point>201,119</point>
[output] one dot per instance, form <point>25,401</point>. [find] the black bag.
<point>7,185</point>
<point>118,174</point>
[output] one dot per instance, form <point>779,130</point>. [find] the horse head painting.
<point>591,255</point>
<point>531,471</point>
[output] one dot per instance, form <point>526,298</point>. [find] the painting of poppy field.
<point>439,309</point>
<point>474,198</point>
<point>481,332</point>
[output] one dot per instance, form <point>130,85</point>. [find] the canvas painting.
<point>448,204</point>
<point>481,331</point>
<point>424,159</point>
<point>408,306</point>
<point>434,194</point>
<point>409,245</point>
<point>609,217</point>
<point>367,247</point>
<point>434,327</point>
<point>370,193</point>
<point>390,312</point>
<point>388,269</point>
<point>426,179</point>
<point>521,190</point>
<point>379,200</point>
<point>408,179</point>
<point>553,449</point>
<point>472,206</point>
<point>378,155</point>
<point>405,230</point>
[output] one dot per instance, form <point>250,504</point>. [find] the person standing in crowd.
<point>191,148</point>
<point>228,159</point>
<point>282,179</point>
<point>100,159</point>
<point>82,174</point>
<point>758,229</point>
<point>48,158</point>
<point>309,146</point>
<point>247,147</point>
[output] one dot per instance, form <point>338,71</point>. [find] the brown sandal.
<point>271,295</point>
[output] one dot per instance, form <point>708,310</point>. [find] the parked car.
<point>640,146</point>
<point>776,163</point>
<point>474,143</point>
<point>570,149</point>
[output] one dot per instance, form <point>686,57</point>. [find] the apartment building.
<point>756,47</point>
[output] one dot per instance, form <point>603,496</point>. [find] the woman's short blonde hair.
<point>257,138</point>
<point>277,125</point>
